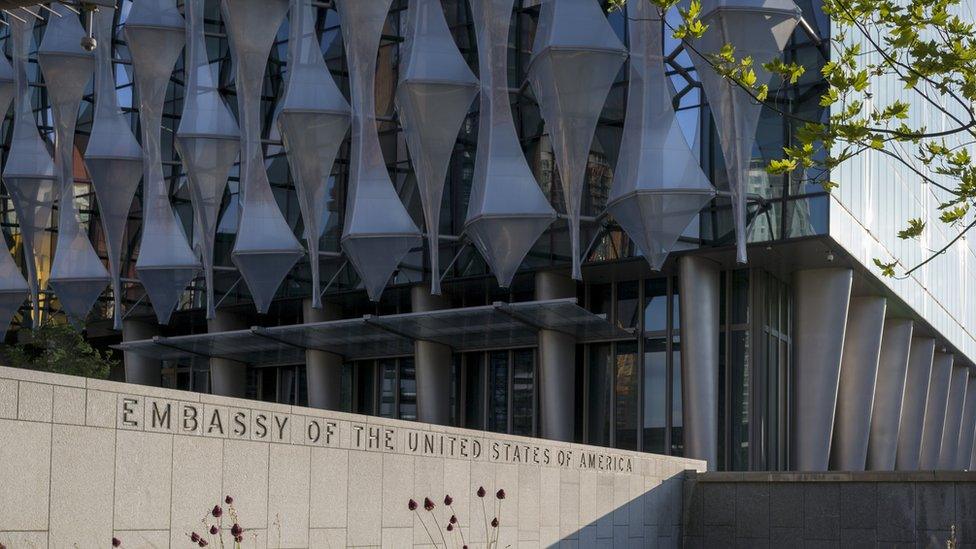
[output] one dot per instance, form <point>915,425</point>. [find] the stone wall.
<point>857,509</point>
<point>83,460</point>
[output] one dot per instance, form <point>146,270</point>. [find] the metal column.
<point>822,300</point>
<point>953,417</point>
<point>858,376</point>
<point>227,377</point>
<point>699,302</point>
<point>323,370</point>
<point>967,432</point>
<point>913,403</point>
<point>433,363</point>
<point>896,344</point>
<point>936,405</point>
<point>557,363</point>
<point>140,369</point>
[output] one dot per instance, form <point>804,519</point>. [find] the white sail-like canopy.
<point>13,287</point>
<point>77,275</point>
<point>265,249</point>
<point>378,231</point>
<point>575,59</point>
<point>208,141</point>
<point>433,97</point>
<point>658,185</point>
<point>166,264</point>
<point>113,156</point>
<point>29,173</point>
<point>756,28</point>
<point>313,121</point>
<point>507,211</point>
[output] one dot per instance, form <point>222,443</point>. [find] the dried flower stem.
<point>439,530</point>
<point>424,524</point>
<point>458,525</point>
<point>484,515</point>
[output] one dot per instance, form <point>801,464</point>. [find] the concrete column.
<point>953,417</point>
<point>822,300</point>
<point>699,302</point>
<point>557,363</point>
<point>140,369</point>
<point>227,377</point>
<point>433,363</point>
<point>967,432</point>
<point>323,370</point>
<point>896,344</point>
<point>858,376</point>
<point>936,405</point>
<point>913,403</point>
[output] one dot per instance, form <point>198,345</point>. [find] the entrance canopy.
<point>495,326</point>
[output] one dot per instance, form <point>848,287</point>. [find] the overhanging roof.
<point>496,326</point>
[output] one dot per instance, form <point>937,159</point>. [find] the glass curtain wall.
<point>631,389</point>
<point>755,375</point>
<point>789,208</point>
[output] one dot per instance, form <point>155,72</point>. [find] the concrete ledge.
<point>832,476</point>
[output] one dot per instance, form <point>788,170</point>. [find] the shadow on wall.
<point>873,509</point>
<point>648,519</point>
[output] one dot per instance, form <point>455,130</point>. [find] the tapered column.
<point>896,344</point>
<point>557,359</point>
<point>138,368</point>
<point>967,430</point>
<point>822,299</point>
<point>913,403</point>
<point>936,405</point>
<point>323,370</point>
<point>699,302</point>
<point>227,377</point>
<point>858,375</point>
<point>953,417</point>
<point>433,363</point>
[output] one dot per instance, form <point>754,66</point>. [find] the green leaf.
<point>914,229</point>
<point>887,269</point>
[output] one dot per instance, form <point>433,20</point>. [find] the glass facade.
<point>628,391</point>
<point>782,209</point>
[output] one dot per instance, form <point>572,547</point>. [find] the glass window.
<point>498,391</point>
<point>655,305</point>
<point>365,390</point>
<point>408,389</point>
<point>655,394</point>
<point>345,391</point>
<point>628,294</point>
<point>601,299</point>
<point>474,399</point>
<point>740,297</point>
<point>677,432</point>
<point>739,379</point>
<point>600,387</point>
<point>626,401</point>
<point>388,387</point>
<point>523,392</point>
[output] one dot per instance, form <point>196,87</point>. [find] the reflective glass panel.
<point>498,391</point>
<point>628,294</point>
<point>523,392</point>
<point>655,394</point>
<point>677,432</point>
<point>474,399</point>
<point>387,388</point>
<point>655,304</point>
<point>626,402</point>
<point>408,389</point>
<point>600,394</point>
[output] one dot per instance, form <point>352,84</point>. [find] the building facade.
<point>458,277</point>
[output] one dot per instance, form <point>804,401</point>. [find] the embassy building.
<point>522,217</point>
